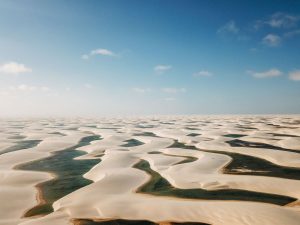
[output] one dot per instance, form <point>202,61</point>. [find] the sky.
<point>115,58</point>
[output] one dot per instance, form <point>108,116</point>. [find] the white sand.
<point>17,187</point>
<point>113,193</point>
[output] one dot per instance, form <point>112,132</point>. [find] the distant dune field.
<point>220,170</point>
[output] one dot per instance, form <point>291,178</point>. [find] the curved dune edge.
<point>112,195</point>
<point>59,175</point>
<point>20,192</point>
<point>206,173</point>
<point>109,207</point>
<point>158,186</point>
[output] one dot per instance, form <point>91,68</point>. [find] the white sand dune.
<point>17,187</point>
<point>113,193</point>
<point>206,173</point>
<point>282,158</point>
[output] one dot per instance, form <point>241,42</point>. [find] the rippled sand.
<point>151,170</point>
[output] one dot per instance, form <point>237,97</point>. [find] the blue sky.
<point>99,58</point>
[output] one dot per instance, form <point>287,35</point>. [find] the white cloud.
<point>162,68</point>
<point>203,73</point>
<point>14,68</point>
<point>278,20</point>
<point>229,27</point>
<point>271,40</point>
<point>266,74</point>
<point>282,20</point>
<point>99,51</point>
<point>141,90</point>
<point>294,75</point>
<point>174,90</point>
<point>102,51</point>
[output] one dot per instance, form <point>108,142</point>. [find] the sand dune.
<point>185,153</point>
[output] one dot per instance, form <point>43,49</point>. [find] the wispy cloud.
<point>286,26</point>
<point>14,68</point>
<point>231,30</point>
<point>229,27</point>
<point>272,40</point>
<point>282,20</point>
<point>99,51</point>
<point>141,90</point>
<point>162,68</point>
<point>203,73</point>
<point>279,20</point>
<point>265,74</point>
<point>292,33</point>
<point>173,90</point>
<point>294,75</point>
<point>102,51</point>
